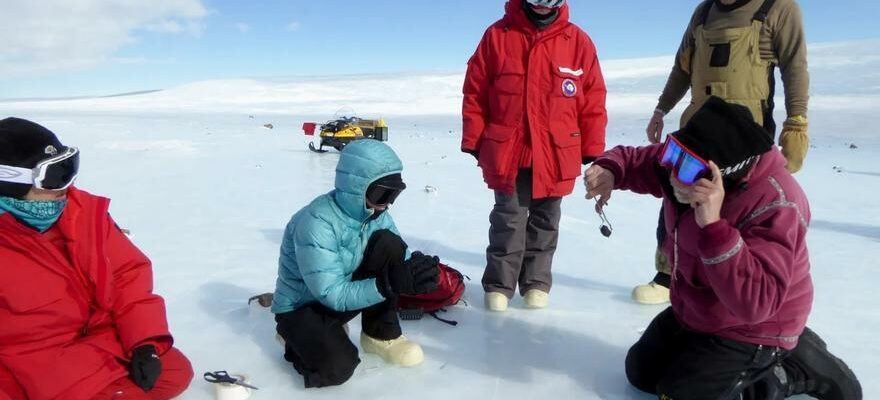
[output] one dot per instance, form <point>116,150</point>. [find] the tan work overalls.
<point>727,63</point>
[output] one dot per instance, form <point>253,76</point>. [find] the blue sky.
<point>173,42</point>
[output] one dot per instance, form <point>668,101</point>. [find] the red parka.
<point>74,302</point>
<point>747,276</point>
<point>534,98</point>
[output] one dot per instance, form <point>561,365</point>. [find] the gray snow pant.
<point>522,239</point>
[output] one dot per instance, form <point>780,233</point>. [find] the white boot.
<point>399,351</point>
<point>496,301</point>
<point>535,298</point>
<point>650,293</point>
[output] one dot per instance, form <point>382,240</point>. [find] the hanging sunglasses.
<point>55,173</point>
<point>687,166</point>
<point>605,229</point>
<point>381,195</point>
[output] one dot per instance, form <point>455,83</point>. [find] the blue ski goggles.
<point>55,173</point>
<point>684,163</point>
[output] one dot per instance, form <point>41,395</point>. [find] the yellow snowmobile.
<point>340,132</point>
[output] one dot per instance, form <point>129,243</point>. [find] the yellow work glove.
<point>795,142</point>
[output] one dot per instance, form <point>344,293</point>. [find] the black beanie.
<point>23,144</point>
<point>726,134</point>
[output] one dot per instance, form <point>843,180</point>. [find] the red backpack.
<point>448,293</point>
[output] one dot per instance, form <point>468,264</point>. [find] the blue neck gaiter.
<point>38,214</point>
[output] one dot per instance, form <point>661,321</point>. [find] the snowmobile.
<point>341,131</point>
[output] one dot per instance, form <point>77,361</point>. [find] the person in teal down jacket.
<point>342,256</point>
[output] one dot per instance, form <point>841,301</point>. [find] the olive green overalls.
<point>727,63</point>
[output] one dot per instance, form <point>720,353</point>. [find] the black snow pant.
<point>677,364</point>
<point>315,341</point>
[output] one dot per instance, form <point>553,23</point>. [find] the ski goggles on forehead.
<point>381,195</point>
<point>55,173</point>
<point>684,163</point>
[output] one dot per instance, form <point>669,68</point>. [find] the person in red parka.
<point>80,319</point>
<point>533,113</point>
<point>741,288</point>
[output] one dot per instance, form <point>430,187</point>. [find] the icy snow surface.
<point>206,191</point>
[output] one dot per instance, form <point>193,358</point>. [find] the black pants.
<point>316,342</point>
<point>680,365</point>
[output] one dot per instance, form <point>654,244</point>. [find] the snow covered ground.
<point>207,191</point>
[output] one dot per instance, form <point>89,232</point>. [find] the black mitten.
<point>145,367</point>
<point>419,274</point>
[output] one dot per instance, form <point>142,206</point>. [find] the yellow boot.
<point>535,298</point>
<point>496,301</point>
<point>650,293</point>
<point>399,351</point>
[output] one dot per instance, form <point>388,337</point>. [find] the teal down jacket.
<point>324,242</point>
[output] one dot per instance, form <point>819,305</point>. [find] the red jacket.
<point>74,301</point>
<point>747,276</point>
<point>534,99</point>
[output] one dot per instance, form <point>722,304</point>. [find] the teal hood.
<point>361,163</point>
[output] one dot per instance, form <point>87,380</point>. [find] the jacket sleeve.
<point>475,106</point>
<point>593,116</point>
<point>634,168</point>
<point>318,256</point>
<point>790,46</point>
<point>679,81</point>
<point>139,314</point>
<point>750,269</point>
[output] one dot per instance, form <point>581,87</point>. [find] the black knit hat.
<point>23,144</point>
<point>726,134</point>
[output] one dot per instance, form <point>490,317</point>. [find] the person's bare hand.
<point>599,183</point>
<point>655,127</point>
<point>707,198</point>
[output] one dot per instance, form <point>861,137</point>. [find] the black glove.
<point>145,367</point>
<point>417,275</point>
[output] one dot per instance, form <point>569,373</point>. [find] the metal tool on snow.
<point>224,377</point>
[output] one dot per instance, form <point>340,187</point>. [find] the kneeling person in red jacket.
<point>741,289</point>
<point>80,319</point>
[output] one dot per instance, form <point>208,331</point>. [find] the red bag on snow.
<point>449,290</point>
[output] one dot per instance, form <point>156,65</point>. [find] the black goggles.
<point>55,173</point>
<point>381,195</point>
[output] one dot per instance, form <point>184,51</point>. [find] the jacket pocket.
<point>496,148</point>
<point>22,301</point>
<point>567,81</point>
<point>567,146</point>
<point>511,79</point>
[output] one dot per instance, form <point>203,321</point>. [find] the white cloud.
<point>242,27</point>
<point>58,35</point>
<point>293,26</point>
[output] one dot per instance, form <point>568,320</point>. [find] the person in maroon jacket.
<point>80,319</point>
<point>741,289</point>
<point>533,112</point>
